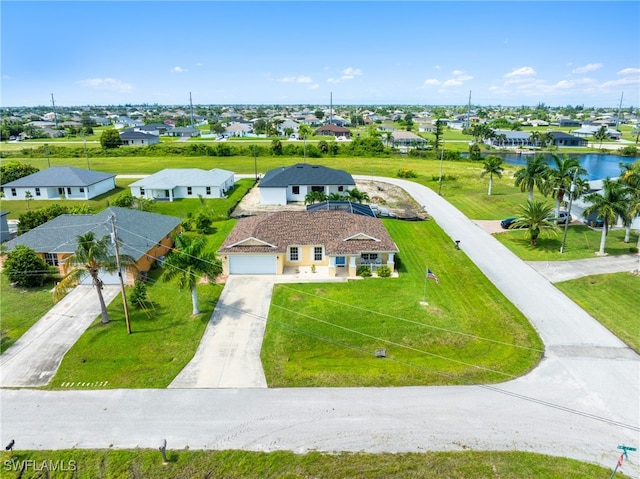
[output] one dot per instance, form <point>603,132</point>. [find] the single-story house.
<point>238,129</point>
<point>60,181</point>
<point>561,138</point>
<point>274,242</point>
<point>333,130</point>
<point>183,131</point>
<point>133,137</point>
<point>589,130</point>
<point>4,226</point>
<point>144,236</point>
<point>510,139</point>
<point>405,139</point>
<point>172,183</point>
<point>292,183</point>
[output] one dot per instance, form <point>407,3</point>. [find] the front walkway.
<point>34,358</point>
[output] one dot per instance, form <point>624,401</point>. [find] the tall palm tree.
<point>601,135</point>
<point>535,216</point>
<point>561,174</point>
<point>91,257</point>
<point>493,166</point>
<point>188,262</point>
<point>533,174</point>
<point>630,176</point>
<point>609,204</point>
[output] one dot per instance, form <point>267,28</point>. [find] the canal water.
<point>598,166</point>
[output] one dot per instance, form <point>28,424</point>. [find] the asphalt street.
<point>582,401</point>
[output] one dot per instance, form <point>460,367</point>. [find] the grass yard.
<point>582,242</point>
<point>146,463</point>
<point>21,308</point>
<point>612,299</point>
<point>327,334</point>
<point>164,338</point>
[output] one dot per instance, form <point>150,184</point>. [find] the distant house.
<point>406,139</point>
<point>174,183</point>
<point>4,226</point>
<point>133,137</point>
<point>510,139</point>
<point>275,242</point>
<point>157,129</point>
<point>568,122</point>
<point>290,184</point>
<point>564,139</point>
<point>238,129</point>
<point>184,131</point>
<point>143,236</point>
<point>333,130</point>
<point>589,130</point>
<point>60,181</point>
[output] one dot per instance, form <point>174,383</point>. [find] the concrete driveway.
<point>34,358</point>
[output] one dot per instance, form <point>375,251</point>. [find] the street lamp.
<point>566,220</point>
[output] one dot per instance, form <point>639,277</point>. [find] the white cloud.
<point>298,79</point>
<point>587,68</point>
<point>431,81</point>
<point>457,72</point>
<point>452,82</point>
<point>178,69</point>
<point>464,78</point>
<point>108,84</point>
<point>333,80</point>
<point>315,86</point>
<point>621,82</point>
<point>437,67</point>
<point>521,72</point>
<point>199,64</point>
<point>629,71</point>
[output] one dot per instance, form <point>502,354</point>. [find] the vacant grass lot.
<point>145,463</point>
<point>613,299</point>
<point>327,334</point>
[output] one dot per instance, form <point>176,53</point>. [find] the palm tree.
<point>90,258</point>
<point>561,174</point>
<point>535,217</point>
<point>609,204</point>
<point>630,176</point>
<point>601,135</point>
<point>188,262</point>
<point>534,138</point>
<point>533,174</point>
<point>493,166</point>
<point>358,196</point>
<point>304,131</point>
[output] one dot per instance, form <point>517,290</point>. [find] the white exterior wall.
<point>273,196</point>
<point>52,193</point>
<point>102,187</point>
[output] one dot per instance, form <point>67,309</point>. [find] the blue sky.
<point>299,52</point>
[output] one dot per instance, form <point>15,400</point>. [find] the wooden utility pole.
<point>114,238</point>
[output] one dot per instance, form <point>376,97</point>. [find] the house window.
<point>340,188</point>
<point>208,190</point>
<point>370,257</point>
<point>317,253</point>
<point>68,190</point>
<point>61,191</point>
<point>141,191</point>
<point>13,192</point>
<point>81,189</point>
<point>37,191</point>
<point>189,190</point>
<point>51,259</point>
<point>294,253</point>
<point>317,188</point>
<point>295,190</point>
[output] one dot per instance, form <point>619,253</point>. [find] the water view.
<point>598,165</point>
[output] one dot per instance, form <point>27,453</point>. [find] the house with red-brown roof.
<point>333,130</point>
<point>337,241</point>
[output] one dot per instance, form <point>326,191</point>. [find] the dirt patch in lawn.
<point>390,197</point>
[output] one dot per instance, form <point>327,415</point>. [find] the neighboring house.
<point>333,130</point>
<point>589,130</point>
<point>184,131</point>
<point>288,123</point>
<point>510,139</point>
<point>4,226</point>
<point>564,139</point>
<point>289,184</point>
<point>405,139</point>
<point>568,122</point>
<point>143,236</point>
<point>172,183</point>
<point>60,181</point>
<point>153,128</point>
<point>138,138</point>
<point>287,240</point>
<point>238,129</point>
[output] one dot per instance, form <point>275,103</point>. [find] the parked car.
<point>507,222</point>
<point>562,219</point>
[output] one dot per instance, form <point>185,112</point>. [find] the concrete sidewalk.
<point>34,358</point>
<point>556,271</point>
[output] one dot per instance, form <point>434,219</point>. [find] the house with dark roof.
<point>333,130</point>
<point>4,226</point>
<point>142,235</point>
<point>285,241</point>
<point>183,132</point>
<point>172,183</point>
<point>292,184</point>
<point>561,138</point>
<point>60,181</point>
<point>133,137</point>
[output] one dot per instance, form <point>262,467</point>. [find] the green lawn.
<point>164,339</point>
<point>582,242</point>
<point>21,308</point>
<point>612,299</point>
<point>182,464</point>
<point>327,334</point>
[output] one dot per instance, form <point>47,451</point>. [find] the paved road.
<point>582,401</point>
<point>556,271</point>
<point>34,358</point>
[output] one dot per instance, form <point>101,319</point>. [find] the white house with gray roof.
<point>174,183</point>
<point>60,181</point>
<point>292,184</point>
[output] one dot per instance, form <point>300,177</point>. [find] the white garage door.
<point>252,265</point>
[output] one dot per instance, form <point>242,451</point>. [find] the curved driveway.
<point>582,401</point>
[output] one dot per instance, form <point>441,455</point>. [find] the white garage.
<point>252,264</point>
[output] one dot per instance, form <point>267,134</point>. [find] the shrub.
<point>384,271</point>
<point>633,249</point>
<point>24,267</point>
<point>364,271</point>
<point>406,173</point>
<point>629,150</point>
<point>139,294</point>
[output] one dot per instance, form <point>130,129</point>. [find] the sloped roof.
<point>338,231</point>
<point>137,231</point>
<point>60,176</point>
<point>169,178</point>
<point>305,174</point>
<point>334,128</point>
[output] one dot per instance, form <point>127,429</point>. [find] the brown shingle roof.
<point>300,228</point>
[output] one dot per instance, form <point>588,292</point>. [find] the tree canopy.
<point>110,138</point>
